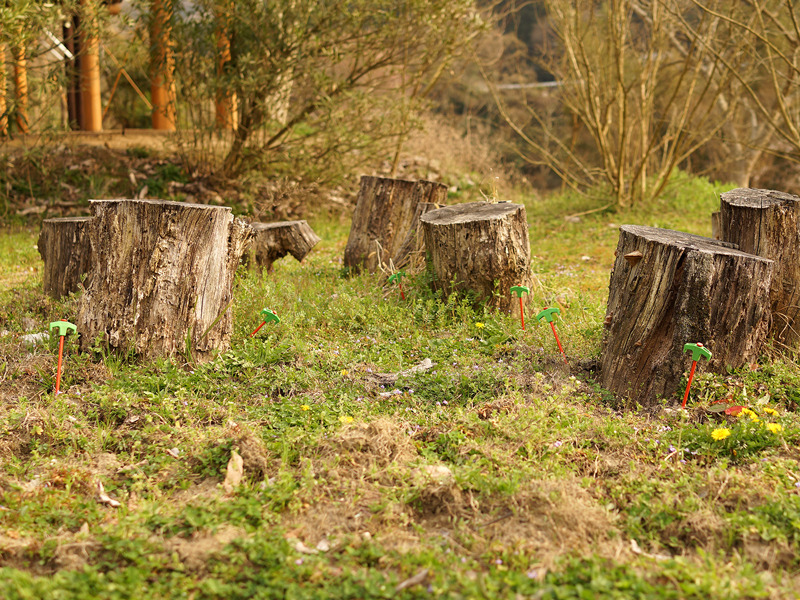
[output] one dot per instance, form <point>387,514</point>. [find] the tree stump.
<point>767,223</point>
<point>385,218</point>
<point>65,250</point>
<point>275,240</point>
<point>670,288</point>
<point>161,278</point>
<point>480,247</point>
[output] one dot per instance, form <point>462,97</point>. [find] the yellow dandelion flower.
<point>720,434</point>
<point>774,427</point>
<point>344,373</point>
<point>770,411</point>
<point>346,419</point>
<point>753,416</point>
<point>480,325</point>
<point>305,407</point>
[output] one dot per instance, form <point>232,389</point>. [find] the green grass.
<point>498,471</point>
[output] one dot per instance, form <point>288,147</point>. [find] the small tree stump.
<point>767,223</point>
<point>275,240</point>
<point>670,288</point>
<point>65,250</point>
<point>386,216</point>
<point>480,247</point>
<point>162,277</point>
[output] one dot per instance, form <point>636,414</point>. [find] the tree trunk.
<point>767,223</point>
<point>479,247</point>
<point>3,116</point>
<point>65,250</point>
<point>670,288</point>
<point>162,277</point>
<point>276,240</point>
<point>386,214</point>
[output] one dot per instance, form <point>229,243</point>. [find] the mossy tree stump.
<point>670,288</point>
<point>162,277</point>
<point>767,223</point>
<point>385,220</point>
<point>275,240</point>
<point>66,252</point>
<point>479,247</point>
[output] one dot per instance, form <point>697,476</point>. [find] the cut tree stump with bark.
<point>767,223</point>
<point>386,219</point>
<point>66,252</point>
<point>482,247</point>
<point>670,288</point>
<point>275,240</point>
<point>162,277</point>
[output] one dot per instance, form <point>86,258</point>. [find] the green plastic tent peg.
<point>698,351</point>
<point>64,327</point>
<point>519,290</point>
<point>398,278</point>
<point>547,315</point>
<point>269,317</point>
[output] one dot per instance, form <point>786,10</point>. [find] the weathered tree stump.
<point>767,223</point>
<point>385,221</point>
<point>670,288</point>
<point>162,277</point>
<point>275,240</point>
<point>65,250</point>
<point>481,247</point>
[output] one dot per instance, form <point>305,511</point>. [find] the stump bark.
<point>385,221</point>
<point>767,223</point>
<point>480,247</point>
<point>670,288</point>
<point>275,240</point>
<point>161,278</point>
<point>65,250</point>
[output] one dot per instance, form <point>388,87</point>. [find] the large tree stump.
<point>386,216</point>
<point>480,247</point>
<point>275,240</point>
<point>65,250</point>
<point>767,223</point>
<point>670,288</point>
<point>161,278</point>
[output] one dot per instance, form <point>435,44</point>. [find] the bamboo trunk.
<point>162,86</point>
<point>91,108</point>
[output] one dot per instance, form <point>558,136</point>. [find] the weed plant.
<point>498,472</point>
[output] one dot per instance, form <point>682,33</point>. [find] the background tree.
<point>318,83</point>
<point>632,99</point>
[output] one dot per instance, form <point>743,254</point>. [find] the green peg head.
<point>397,276</point>
<point>519,290</point>
<point>547,314</point>
<point>698,351</point>
<point>63,327</point>
<point>269,316</point>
